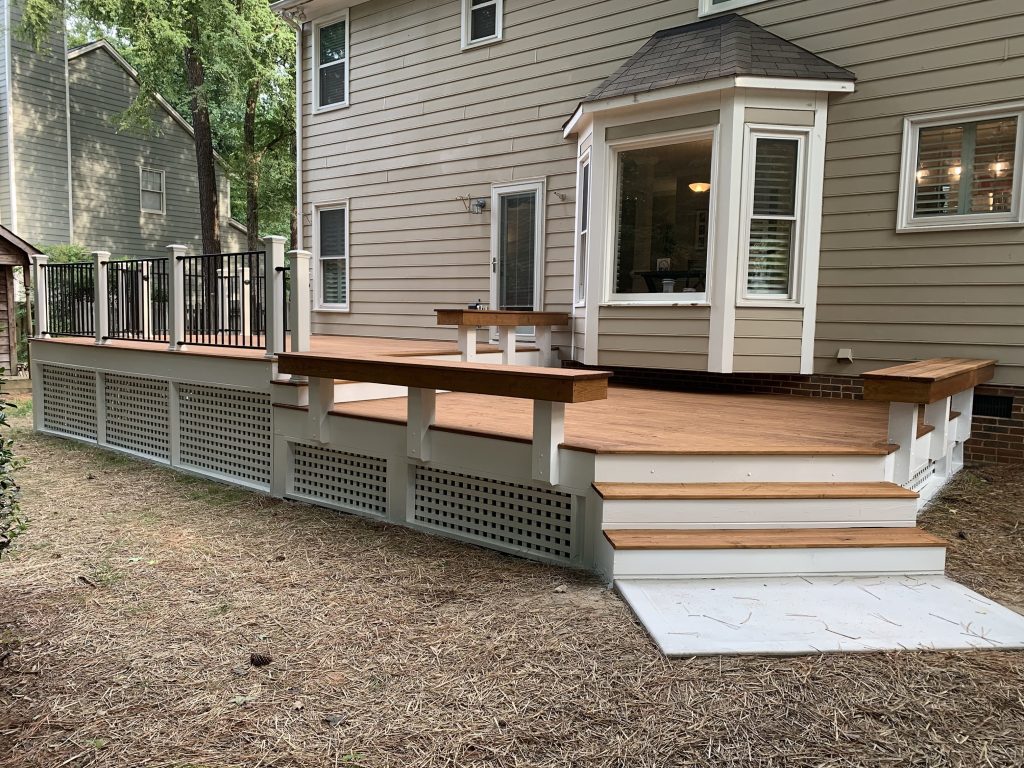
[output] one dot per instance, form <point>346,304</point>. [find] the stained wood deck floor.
<point>656,422</point>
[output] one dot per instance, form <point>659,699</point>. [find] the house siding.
<point>5,155</point>
<point>768,339</point>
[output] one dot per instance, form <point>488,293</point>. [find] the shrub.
<point>12,521</point>
<point>65,252</point>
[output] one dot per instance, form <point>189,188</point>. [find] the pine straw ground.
<point>137,597</point>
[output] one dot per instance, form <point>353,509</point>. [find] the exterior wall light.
<point>478,205</point>
<point>700,186</point>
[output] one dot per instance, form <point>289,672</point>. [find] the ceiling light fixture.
<point>700,186</point>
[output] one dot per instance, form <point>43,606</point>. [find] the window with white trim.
<point>583,229</point>
<point>962,171</point>
<point>151,191</point>
<point>773,233</point>
<point>481,22</point>
<point>331,47</point>
<point>331,247</point>
<point>708,7</point>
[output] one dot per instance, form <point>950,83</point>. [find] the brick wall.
<point>996,439</point>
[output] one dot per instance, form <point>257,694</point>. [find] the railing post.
<point>99,304</point>
<point>903,432</point>
<point>548,434</point>
<point>298,308</point>
<point>176,296</point>
<point>273,300</point>
<point>39,293</point>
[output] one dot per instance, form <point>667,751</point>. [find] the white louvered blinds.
<point>966,168</point>
<point>332,63</point>
<point>773,218</point>
<point>332,253</point>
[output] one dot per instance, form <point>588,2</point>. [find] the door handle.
<point>494,264</point>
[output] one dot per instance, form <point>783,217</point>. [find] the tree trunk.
<point>252,167</point>
<point>209,213</point>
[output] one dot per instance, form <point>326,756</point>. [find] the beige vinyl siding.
<point>768,339</point>
<point>634,336</point>
<point>5,156</point>
<point>106,163</point>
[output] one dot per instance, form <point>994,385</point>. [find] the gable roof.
<point>722,47</point>
<point>13,246</point>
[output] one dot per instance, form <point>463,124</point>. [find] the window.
<point>583,228</point>
<point>331,44</point>
<point>774,226</point>
<point>151,191</point>
<point>708,7</point>
<point>961,172</point>
<point>481,22</point>
<point>331,244</point>
<point>663,207</point>
<point>517,242</point>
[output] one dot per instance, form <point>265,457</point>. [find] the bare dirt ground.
<point>132,608</point>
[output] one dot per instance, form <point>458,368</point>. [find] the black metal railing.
<point>70,299</point>
<point>286,292</point>
<point>138,299</point>
<point>224,300</point>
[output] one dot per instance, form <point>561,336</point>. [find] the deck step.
<point>687,491</point>
<point>773,538</point>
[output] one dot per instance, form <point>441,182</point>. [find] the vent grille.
<point>226,432</point>
<point>137,415</point>
<point>513,517</point>
<point>69,401</point>
<point>993,406</point>
<point>347,481</point>
<point>921,477</point>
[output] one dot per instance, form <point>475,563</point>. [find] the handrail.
<point>137,299</point>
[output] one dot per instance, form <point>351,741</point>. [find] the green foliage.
<point>12,521</point>
<point>62,253</point>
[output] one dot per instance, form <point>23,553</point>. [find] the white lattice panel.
<point>515,517</point>
<point>137,415</point>
<point>347,481</point>
<point>226,432</point>
<point>69,401</point>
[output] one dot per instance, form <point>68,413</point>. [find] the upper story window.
<point>331,248</point>
<point>151,191</point>
<point>962,171</point>
<point>481,21</point>
<point>331,49</point>
<point>707,7</point>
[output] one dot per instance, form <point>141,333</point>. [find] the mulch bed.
<point>137,600</point>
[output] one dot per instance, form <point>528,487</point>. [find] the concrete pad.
<point>797,615</point>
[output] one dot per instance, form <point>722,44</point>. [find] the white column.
<point>176,296</point>
<point>548,434</point>
<point>963,403</point>
<point>936,415</point>
<point>273,284</point>
<point>546,357</point>
<point>299,310</point>
<point>507,343</point>
<point>39,293</point>
<point>903,432</point>
<point>422,404</point>
<point>467,343</point>
<point>321,401</point>
<point>100,319</point>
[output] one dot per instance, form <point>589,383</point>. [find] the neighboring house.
<point>805,188</point>
<point>68,174</point>
<point>14,252</point>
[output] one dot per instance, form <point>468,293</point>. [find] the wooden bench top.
<point>499,317</point>
<point>772,538</point>
<point>926,381</point>
<point>557,385</point>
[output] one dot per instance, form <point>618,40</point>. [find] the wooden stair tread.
<point>688,491</point>
<point>772,538</point>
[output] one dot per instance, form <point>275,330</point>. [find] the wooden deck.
<point>656,422</point>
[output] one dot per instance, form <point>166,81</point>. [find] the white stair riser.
<point>727,563</point>
<point>738,468</point>
<point>758,513</point>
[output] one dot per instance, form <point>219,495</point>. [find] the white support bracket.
<point>507,344</point>
<point>467,343</point>
<point>546,357</point>
<point>422,413</point>
<point>936,415</point>
<point>548,434</point>
<point>321,401</point>
<point>963,403</point>
<point>903,432</point>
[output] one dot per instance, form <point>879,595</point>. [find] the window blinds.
<point>773,218</point>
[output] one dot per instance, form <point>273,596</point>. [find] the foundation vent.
<point>350,482</point>
<point>69,401</point>
<point>137,415</point>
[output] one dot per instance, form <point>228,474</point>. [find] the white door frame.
<point>537,186</point>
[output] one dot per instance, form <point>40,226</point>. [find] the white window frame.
<point>912,125</point>
<point>794,297</point>
<point>499,13</point>
<point>660,140</point>
<point>538,187</point>
<point>708,8</point>
<point>581,253</point>
<point>317,66</point>
<point>319,303</point>
<point>163,191</point>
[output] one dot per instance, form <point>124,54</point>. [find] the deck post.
<point>963,403</point>
<point>548,434</point>
<point>39,289</point>
<point>903,432</point>
<point>545,358</point>
<point>176,296</point>
<point>298,308</point>
<point>936,415</point>
<point>422,404</point>
<point>273,300</point>
<point>507,343</point>
<point>321,401</point>
<point>467,343</point>
<point>100,315</point>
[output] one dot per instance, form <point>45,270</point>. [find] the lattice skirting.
<point>69,401</point>
<point>347,481</point>
<point>226,432</point>
<point>138,415</point>
<point>514,517</point>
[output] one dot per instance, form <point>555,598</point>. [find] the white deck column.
<point>176,296</point>
<point>507,343</point>
<point>467,343</point>
<point>100,316</point>
<point>422,404</point>
<point>273,300</point>
<point>548,434</point>
<point>963,403</point>
<point>321,401</point>
<point>299,298</point>
<point>42,319</point>
<point>936,415</point>
<point>903,432</point>
<point>546,358</point>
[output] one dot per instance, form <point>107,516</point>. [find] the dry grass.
<point>136,599</point>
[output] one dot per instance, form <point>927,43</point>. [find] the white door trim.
<point>536,186</point>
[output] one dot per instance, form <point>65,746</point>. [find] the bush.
<point>12,521</point>
<point>65,252</point>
